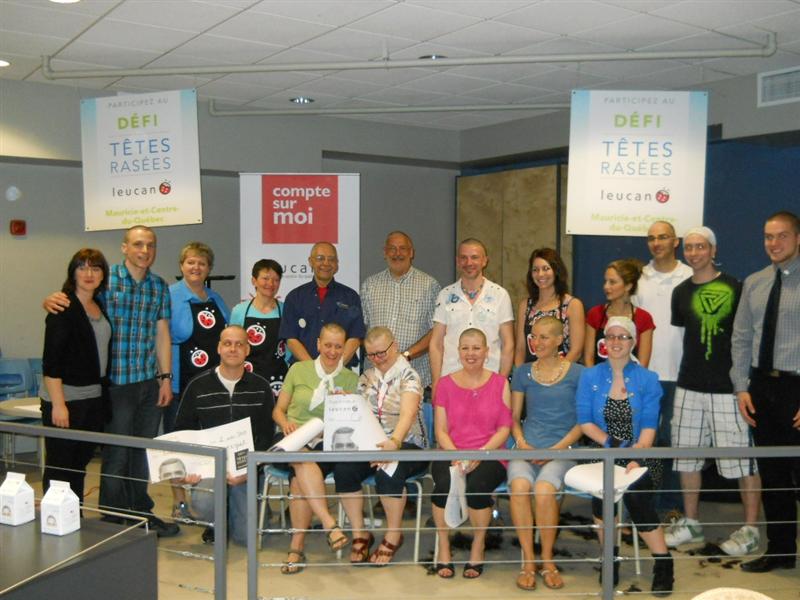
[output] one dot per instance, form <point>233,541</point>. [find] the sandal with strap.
<point>476,568</point>
<point>360,549</point>
<point>387,550</point>
<point>526,580</point>
<point>445,566</point>
<point>552,578</point>
<point>338,542</point>
<point>292,567</point>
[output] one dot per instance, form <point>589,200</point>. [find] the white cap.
<point>702,231</point>
<point>623,322</point>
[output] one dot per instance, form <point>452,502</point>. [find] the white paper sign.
<point>236,437</point>
<point>351,425</point>
<point>141,163</point>
<point>636,157</point>
<point>456,510</point>
<point>588,478</point>
<point>300,437</point>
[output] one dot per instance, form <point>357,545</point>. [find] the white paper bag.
<point>456,510</point>
<point>16,500</point>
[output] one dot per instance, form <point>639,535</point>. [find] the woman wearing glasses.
<point>618,405</point>
<point>394,392</point>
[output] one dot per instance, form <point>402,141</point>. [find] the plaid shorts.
<point>703,420</point>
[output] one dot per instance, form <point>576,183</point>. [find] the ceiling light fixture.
<point>64,1</point>
<point>4,63</point>
<point>301,100</point>
<point>432,57</point>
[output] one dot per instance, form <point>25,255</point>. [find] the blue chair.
<point>16,378</point>
<point>36,371</point>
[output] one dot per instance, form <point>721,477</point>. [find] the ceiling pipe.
<point>303,112</point>
<point>760,52</point>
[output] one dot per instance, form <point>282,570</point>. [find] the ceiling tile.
<point>565,18</point>
<point>279,31</point>
<point>346,88</point>
<point>42,20</point>
<point>447,83</point>
<point>511,93</point>
<point>404,96</point>
<point>323,12</point>
<point>714,14</point>
<point>493,38</point>
<point>386,76</point>
<point>228,50</point>
<point>163,82</point>
<point>106,55</point>
<point>482,9</point>
<point>15,42</point>
<point>563,80</point>
<point>413,22</point>
<point>357,44</point>
<point>230,91</point>
<point>94,8</point>
<point>276,81</point>
<point>21,66</point>
<point>132,35</point>
<point>504,73</point>
<point>185,15</point>
<point>639,31</point>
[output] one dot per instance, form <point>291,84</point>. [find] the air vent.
<point>779,87</point>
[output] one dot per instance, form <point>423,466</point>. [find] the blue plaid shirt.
<point>134,308</point>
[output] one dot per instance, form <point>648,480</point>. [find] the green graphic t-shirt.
<point>706,312</point>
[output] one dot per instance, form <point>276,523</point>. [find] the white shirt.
<point>491,309</point>
<point>654,294</point>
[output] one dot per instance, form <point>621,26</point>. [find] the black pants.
<point>639,502</point>
<point>349,476</point>
<point>481,482</point>
<point>66,460</point>
<point>776,401</point>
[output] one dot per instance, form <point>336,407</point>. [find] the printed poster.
<point>636,157</point>
<point>141,163</point>
<point>284,214</point>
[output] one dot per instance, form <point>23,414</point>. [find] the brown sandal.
<point>339,542</point>
<point>292,567</point>
<point>526,580</point>
<point>385,549</point>
<point>360,549</point>
<point>552,578</point>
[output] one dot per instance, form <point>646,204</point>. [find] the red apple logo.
<point>662,196</point>
<point>206,319</point>
<point>165,187</point>
<point>248,366</point>
<point>199,358</point>
<point>256,335</point>
<point>602,351</point>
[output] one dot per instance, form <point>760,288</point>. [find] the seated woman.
<point>394,392</point>
<point>302,397</point>
<point>618,404</point>
<point>619,284</point>
<point>472,413</point>
<point>546,388</point>
<point>77,346</point>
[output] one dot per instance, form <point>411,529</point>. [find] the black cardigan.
<point>70,348</point>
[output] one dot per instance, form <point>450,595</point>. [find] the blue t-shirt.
<point>550,409</point>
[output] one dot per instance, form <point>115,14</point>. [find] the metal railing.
<point>219,486</point>
<point>605,455</point>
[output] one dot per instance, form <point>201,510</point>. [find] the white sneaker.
<point>744,540</point>
<point>683,531</point>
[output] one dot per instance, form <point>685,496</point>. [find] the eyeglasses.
<point>381,354</point>
<point>612,337</point>
<point>661,238</point>
<point>89,269</point>
<point>323,259</point>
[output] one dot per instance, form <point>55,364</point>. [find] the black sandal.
<point>442,566</point>
<point>477,568</point>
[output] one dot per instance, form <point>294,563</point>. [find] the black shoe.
<point>616,568</point>
<point>663,575</point>
<point>162,528</point>
<point>208,535</point>
<point>766,563</point>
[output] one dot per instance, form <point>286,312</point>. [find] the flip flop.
<point>475,568</point>
<point>360,549</point>
<point>337,543</point>
<point>385,549</point>
<point>442,566</point>
<point>291,567</point>
<point>552,578</point>
<point>526,580</point>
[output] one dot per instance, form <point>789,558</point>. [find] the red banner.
<point>299,209</point>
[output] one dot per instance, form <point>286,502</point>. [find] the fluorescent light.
<point>64,1</point>
<point>301,100</point>
<point>432,56</point>
<point>4,63</point>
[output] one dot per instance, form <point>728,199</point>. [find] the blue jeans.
<point>203,507</point>
<point>124,472</point>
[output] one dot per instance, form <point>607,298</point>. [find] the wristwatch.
<point>163,376</point>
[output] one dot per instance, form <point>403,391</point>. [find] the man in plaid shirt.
<point>402,298</point>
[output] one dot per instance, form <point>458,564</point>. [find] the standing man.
<point>706,411</point>
<point>654,294</point>
<point>402,298</point>
<point>219,396</point>
<point>322,300</point>
<point>472,301</point>
<point>138,304</point>
<point>766,378</point>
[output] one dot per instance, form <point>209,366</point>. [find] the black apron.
<point>199,352</point>
<point>267,353</point>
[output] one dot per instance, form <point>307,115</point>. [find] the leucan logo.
<point>165,187</point>
<point>662,196</point>
<point>199,358</point>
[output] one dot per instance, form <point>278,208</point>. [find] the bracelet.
<point>398,444</point>
<point>163,376</point>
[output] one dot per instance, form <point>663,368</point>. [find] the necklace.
<point>474,293</point>
<point>537,373</point>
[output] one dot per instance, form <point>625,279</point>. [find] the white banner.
<point>284,214</point>
<point>636,157</point>
<point>141,162</point>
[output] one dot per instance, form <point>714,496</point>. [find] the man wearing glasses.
<point>402,298</point>
<point>654,294</point>
<point>322,300</point>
